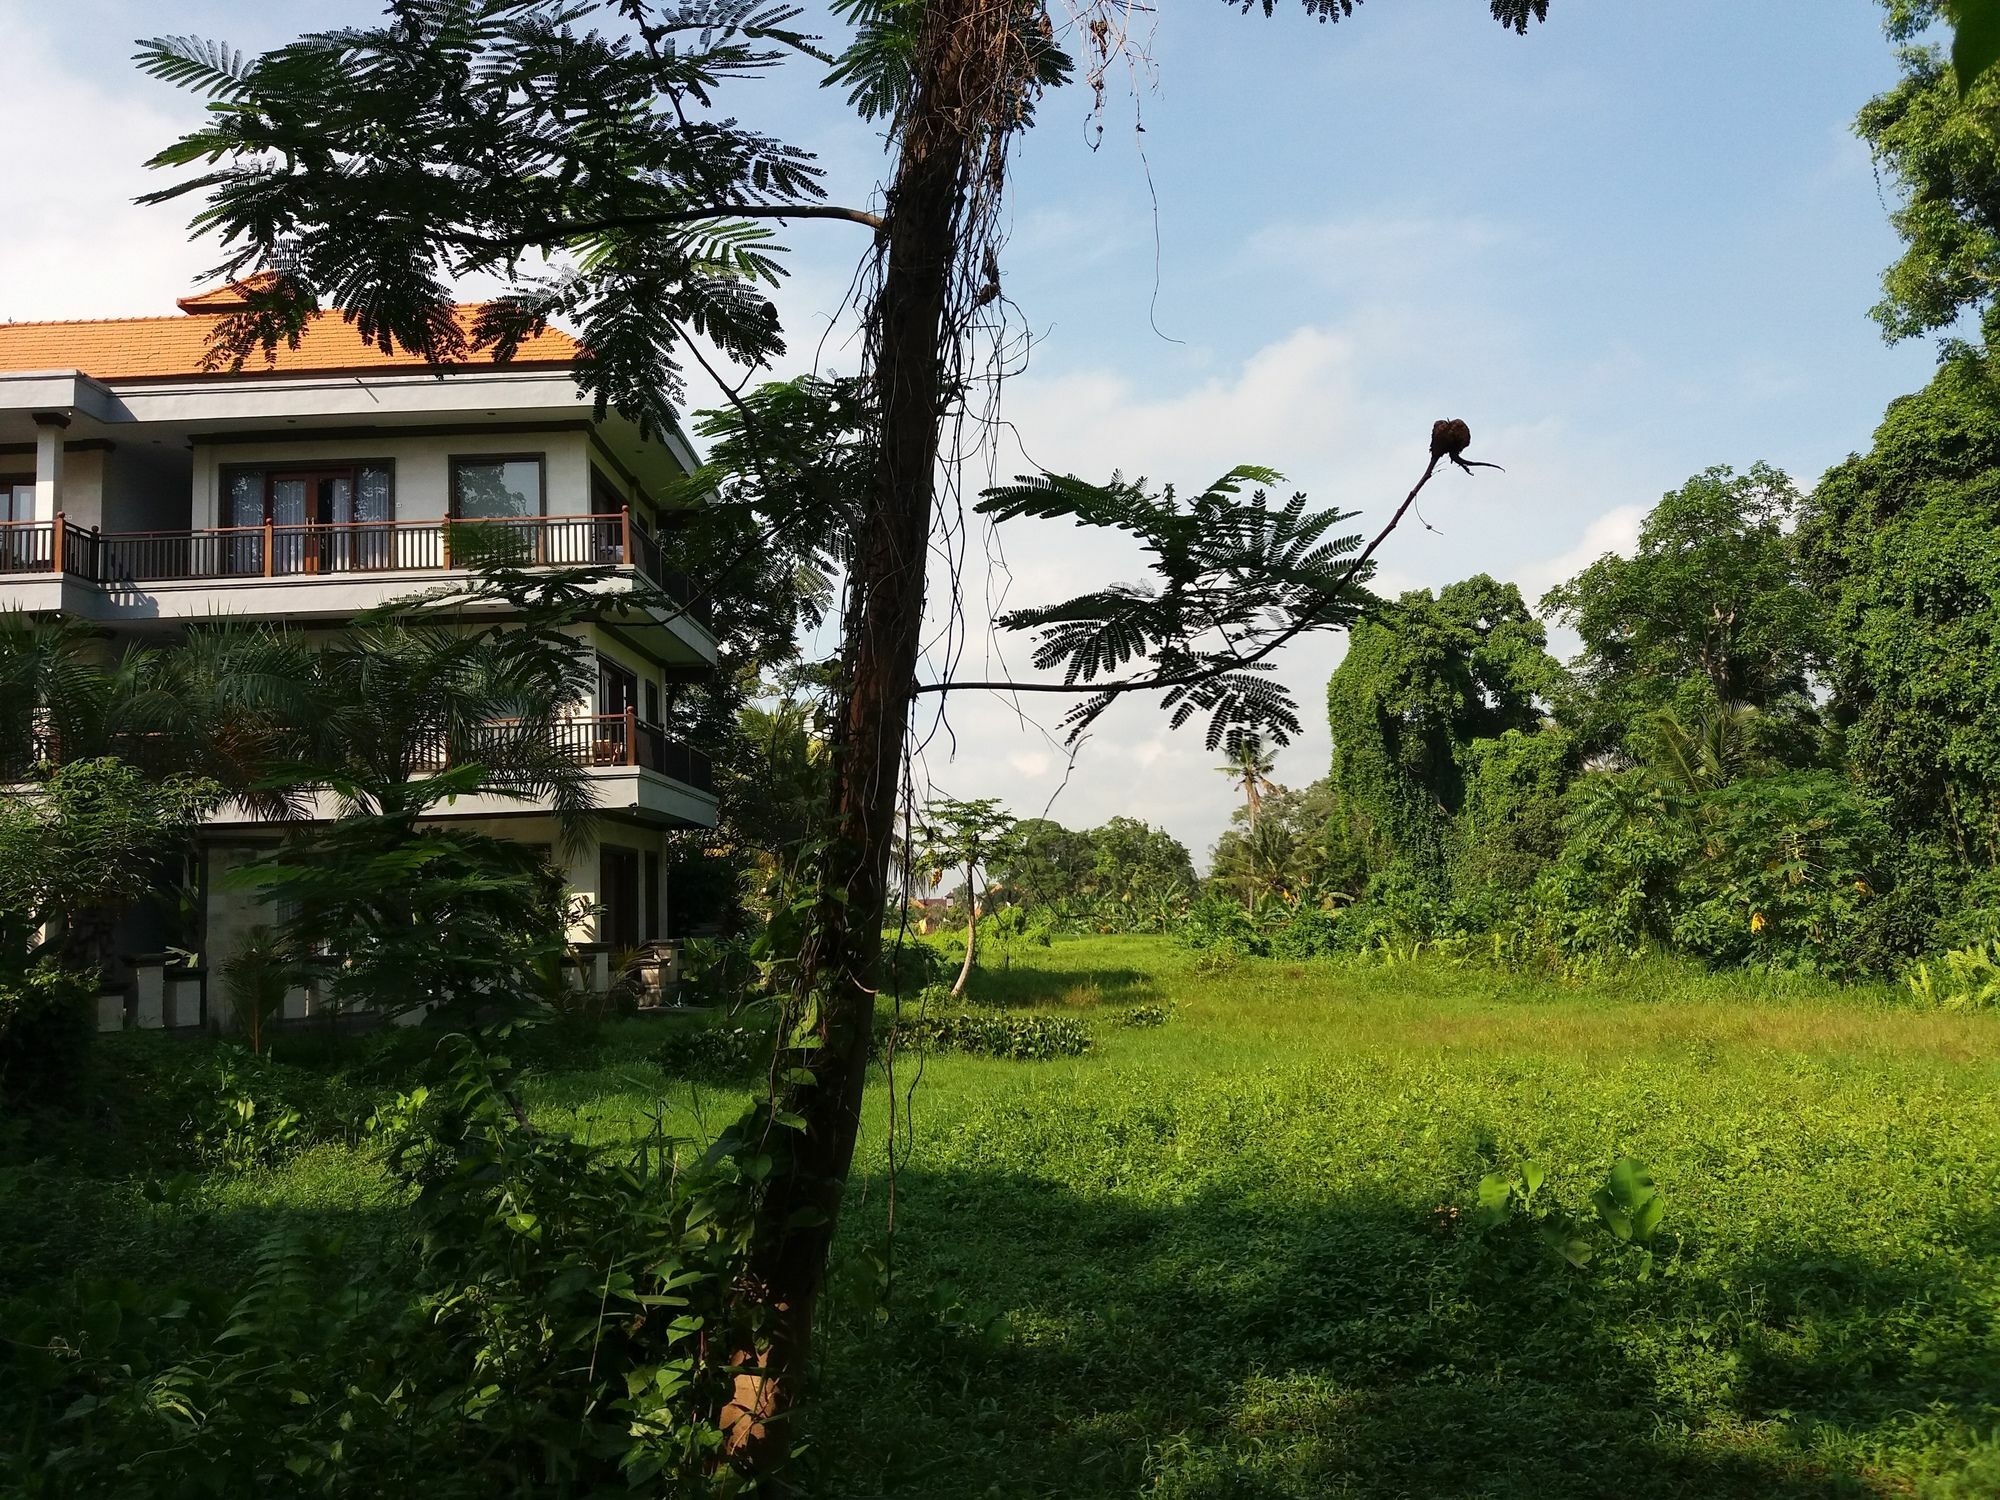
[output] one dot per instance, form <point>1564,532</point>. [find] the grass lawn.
<point>1235,1255</point>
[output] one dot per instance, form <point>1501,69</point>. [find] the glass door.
<point>617,691</point>
<point>291,515</point>
<point>17,539</point>
<point>244,516</point>
<point>618,895</point>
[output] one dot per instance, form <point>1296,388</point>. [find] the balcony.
<point>610,740</point>
<point>637,768</point>
<point>374,549</point>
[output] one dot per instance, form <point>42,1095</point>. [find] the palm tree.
<point>1250,766</point>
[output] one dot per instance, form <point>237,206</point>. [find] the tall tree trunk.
<point>971,934</point>
<point>883,633</point>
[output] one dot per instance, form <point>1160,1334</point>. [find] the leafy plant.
<point>1628,1206</point>
<point>1019,1038</point>
<point>255,979</point>
<point>1962,979</point>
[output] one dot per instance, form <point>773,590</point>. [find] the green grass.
<point>1233,1256</point>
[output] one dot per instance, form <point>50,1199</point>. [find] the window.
<point>500,488</point>
<point>653,925</point>
<point>19,547</point>
<point>605,498</point>
<point>617,687</point>
<point>618,895</point>
<point>324,518</point>
<point>652,710</point>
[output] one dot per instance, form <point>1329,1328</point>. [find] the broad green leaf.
<point>1615,1219</point>
<point>1631,1183</point>
<point>1532,1176</point>
<point>1647,1219</point>
<point>1975,44</point>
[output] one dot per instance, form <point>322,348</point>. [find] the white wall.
<point>422,467</point>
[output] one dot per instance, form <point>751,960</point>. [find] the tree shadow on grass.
<point>1230,1345</point>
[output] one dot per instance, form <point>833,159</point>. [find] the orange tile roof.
<point>157,348</point>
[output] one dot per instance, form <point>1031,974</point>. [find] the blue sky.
<point>1635,243</point>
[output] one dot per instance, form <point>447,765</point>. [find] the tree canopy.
<point>1712,594</point>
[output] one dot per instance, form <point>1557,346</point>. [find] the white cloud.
<point>1617,530</point>
<point>76,245</point>
<point>1328,404</point>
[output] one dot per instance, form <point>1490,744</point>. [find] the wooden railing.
<point>121,559</point>
<point>56,546</point>
<point>622,739</point>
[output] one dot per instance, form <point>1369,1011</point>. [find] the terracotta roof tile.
<point>164,348</point>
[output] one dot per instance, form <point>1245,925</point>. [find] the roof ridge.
<point>182,319</point>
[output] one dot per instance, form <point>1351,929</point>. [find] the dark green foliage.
<point>1048,865</point>
<point>46,1021</point>
<point>369,896</point>
<point>1937,147</point>
<point>715,1053</point>
<point>1510,13</point>
<point>1236,579</point>
<point>1422,680</point>
<point>496,131</point>
<point>557,1324</point>
<point>1510,826</point>
<point>1018,1038</point>
<point>1904,545</point>
<point>1303,848</point>
<point>1713,595</point>
<point>1125,876</point>
<point>1787,876</point>
<point>84,843</point>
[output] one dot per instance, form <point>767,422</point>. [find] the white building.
<point>140,491</point>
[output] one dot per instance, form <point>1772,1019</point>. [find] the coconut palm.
<point>1250,766</point>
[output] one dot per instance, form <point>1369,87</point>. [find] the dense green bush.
<point>46,1021</point>
<point>1019,1038</point>
<point>715,1052</point>
<point>565,1326</point>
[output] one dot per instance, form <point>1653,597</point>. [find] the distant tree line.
<point>1779,743</point>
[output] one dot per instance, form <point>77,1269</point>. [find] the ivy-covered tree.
<point>1932,135</point>
<point>1903,545</point>
<point>1421,682</point>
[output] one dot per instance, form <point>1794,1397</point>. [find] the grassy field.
<point>1236,1255</point>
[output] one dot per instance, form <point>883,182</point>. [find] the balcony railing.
<point>622,739</point>
<point>122,559</point>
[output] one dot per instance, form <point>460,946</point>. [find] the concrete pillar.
<point>298,1005</point>
<point>184,999</point>
<point>110,1012</point>
<point>149,981</point>
<point>49,429</point>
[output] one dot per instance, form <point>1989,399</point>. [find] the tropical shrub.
<point>566,1326</point>
<point>1019,1038</point>
<point>724,1052</point>
<point>1959,979</point>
